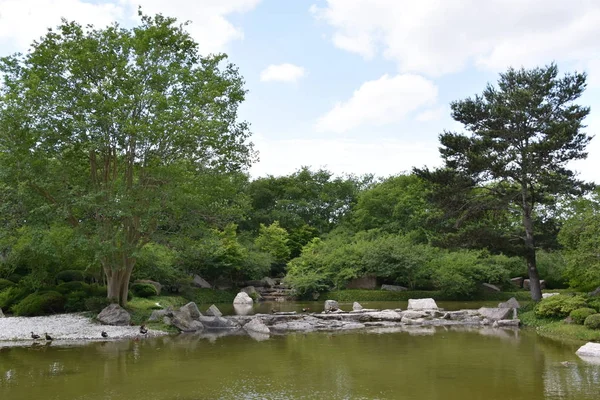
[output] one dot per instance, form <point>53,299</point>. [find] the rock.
<point>411,314</point>
<point>518,281</point>
<point>546,295</point>
<point>269,282</point>
<point>251,291</point>
<point>242,309</point>
<point>488,287</point>
<point>595,292</point>
<point>526,284</point>
<point>218,323</point>
<point>589,350</point>
<point>393,288</point>
<point>422,304</point>
<point>510,303</point>
<point>385,315</point>
<point>183,321</point>
<point>256,325</point>
<point>157,285</point>
<point>201,283</point>
<point>494,314</point>
<point>455,315</point>
<point>192,309</point>
<point>157,315</point>
<point>243,298</point>
<point>213,311</point>
<point>114,314</point>
<point>331,305</point>
<point>503,323</point>
<point>356,306</point>
<point>1,313</point>
<point>568,320</point>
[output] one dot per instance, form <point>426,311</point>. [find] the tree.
<point>522,135</point>
<point>273,240</point>
<point>113,127</point>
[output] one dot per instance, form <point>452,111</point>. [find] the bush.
<point>10,296</point>
<point>592,321</point>
<point>559,306</point>
<point>70,276</point>
<point>5,283</point>
<point>96,304</point>
<point>76,301</point>
<point>40,304</point>
<point>143,290</point>
<point>578,316</point>
<point>594,302</point>
<point>74,286</point>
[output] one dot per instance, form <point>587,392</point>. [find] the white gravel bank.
<point>65,327</point>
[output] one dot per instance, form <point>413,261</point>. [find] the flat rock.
<point>114,314</point>
<point>213,311</point>
<point>218,323</point>
<point>192,309</point>
<point>243,298</point>
<point>256,325</point>
<point>502,323</point>
<point>356,306</point>
<point>201,283</point>
<point>494,314</point>
<point>331,305</point>
<point>393,288</point>
<point>546,295</point>
<point>412,314</point>
<point>510,303</point>
<point>385,315</point>
<point>422,304</point>
<point>589,350</point>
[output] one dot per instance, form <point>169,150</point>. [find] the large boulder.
<point>114,314</point>
<point>201,283</point>
<point>243,298</point>
<point>251,291</point>
<point>495,314</point>
<point>422,304</point>
<point>510,303</point>
<point>242,309</point>
<point>256,325</point>
<point>218,323</point>
<point>158,315</point>
<point>393,288</point>
<point>213,311</point>
<point>589,350</point>
<point>488,287</point>
<point>192,309</point>
<point>156,285</point>
<point>331,305</point>
<point>183,321</point>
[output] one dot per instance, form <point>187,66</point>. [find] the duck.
<point>34,336</point>
<point>143,330</point>
<point>48,337</point>
<point>104,334</point>
<point>306,309</point>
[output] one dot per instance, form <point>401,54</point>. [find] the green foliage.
<point>579,315</point>
<point>157,262</point>
<point>559,306</point>
<point>40,304</point>
<point>70,276</point>
<point>11,296</point>
<point>73,286</point>
<point>96,304</point>
<point>143,290</point>
<point>552,267</point>
<point>594,302</point>
<point>75,301</point>
<point>273,240</point>
<point>210,296</point>
<point>348,295</point>
<point>592,321</point>
<point>5,283</point>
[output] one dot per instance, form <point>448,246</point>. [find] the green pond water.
<point>423,363</point>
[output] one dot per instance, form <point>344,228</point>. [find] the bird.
<point>104,334</point>
<point>48,337</point>
<point>306,309</point>
<point>34,336</point>
<point>143,330</point>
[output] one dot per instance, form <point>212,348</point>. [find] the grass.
<point>557,329</point>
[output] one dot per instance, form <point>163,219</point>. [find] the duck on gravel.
<point>143,330</point>
<point>34,336</point>
<point>104,334</point>
<point>48,337</point>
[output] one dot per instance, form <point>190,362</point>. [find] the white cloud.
<point>433,114</point>
<point>22,21</point>
<point>282,73</point>
<point>436,37</point>
<point>380,102</point>
<point>384,157</point>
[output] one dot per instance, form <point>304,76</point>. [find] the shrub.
<point>578,316</point>
<point>143,290</point>
<point>70,276</point>
<point>4,283</point>
<point>96,304</point>
<point>73,286</point>
<point>559,306</point>
<point>76,301</point>
<point>40,304</point>
<point>594,302</point>
<point>592,321</point>
<point>11,295</point>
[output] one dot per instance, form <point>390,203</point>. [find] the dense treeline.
<point>122,159</point>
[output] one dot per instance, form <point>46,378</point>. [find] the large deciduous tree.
<point>521,136</point>
<point>112,127</point>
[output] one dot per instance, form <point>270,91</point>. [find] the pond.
<point>424,363</point>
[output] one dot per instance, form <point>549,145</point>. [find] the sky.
<point>357,86</point>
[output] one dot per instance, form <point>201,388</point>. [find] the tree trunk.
<point>118,282</point>
<point>534,277</point>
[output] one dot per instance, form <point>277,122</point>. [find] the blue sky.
<point>357,86</point>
